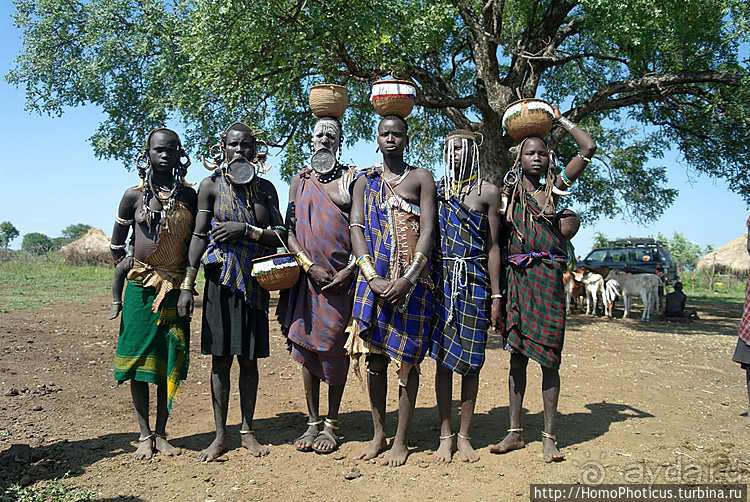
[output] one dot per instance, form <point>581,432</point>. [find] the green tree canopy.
<point>7,233</point>
<point>74,232</point>
<point>685,252</point>
<point>36,243</point>
<point>642,76</point>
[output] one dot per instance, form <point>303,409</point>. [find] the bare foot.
<point>214,451</point>
<point>468,453</point>
<point>396,456</point>
<point>164,447</point>
<point>253,446</point>
<point>551,453</point>
<point>145,449</point>
<point>513,441</point>
<point>444,452</point>
<point>373,449</point>
<point>305,441</point>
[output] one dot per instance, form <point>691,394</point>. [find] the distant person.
<point>663,280</point>
<point>742,352</point>
<point>674,309</point>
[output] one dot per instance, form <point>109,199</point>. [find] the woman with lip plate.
<point>238,220</point>
<point>535,304</point>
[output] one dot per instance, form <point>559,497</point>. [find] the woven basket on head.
<point>275,272</point>
<point>328,100</point>
<point>528,117</point>
<point>393,97</point>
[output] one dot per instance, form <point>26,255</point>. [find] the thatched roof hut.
<point>731,258</point>
<point>91,249</point>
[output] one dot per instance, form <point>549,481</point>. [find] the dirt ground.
<point>641,402</point>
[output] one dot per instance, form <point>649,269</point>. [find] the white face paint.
<point>326,134</point>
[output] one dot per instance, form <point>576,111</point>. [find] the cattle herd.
<point>608,284</point>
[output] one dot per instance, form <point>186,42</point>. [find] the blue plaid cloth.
<point>459,333</point>
<point>236,257</point>
<point>401,335</point>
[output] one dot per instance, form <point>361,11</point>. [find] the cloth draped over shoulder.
<point>535,305</point>
<point>313,320</point>
<point>400,333</point>
<point>235,257</point>
<point>459,331</point>
<point>164,268</point>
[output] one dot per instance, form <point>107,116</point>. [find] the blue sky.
<point>52,179</point>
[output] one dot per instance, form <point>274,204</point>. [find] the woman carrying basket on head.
<point>535,304</point>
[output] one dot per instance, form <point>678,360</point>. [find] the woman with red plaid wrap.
<point>535,305</point>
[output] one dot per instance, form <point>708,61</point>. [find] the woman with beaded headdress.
<point>238,220</point>
<point>468,302</point>
<point>153,346</point>
<point>315,312</point>
<point>535,304</point>
<point>392,229</point>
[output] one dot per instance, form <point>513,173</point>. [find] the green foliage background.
<point>642,76</point>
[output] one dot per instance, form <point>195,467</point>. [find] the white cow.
<point>611,292</point>
<point>645,285</point>
<point>594,286</point>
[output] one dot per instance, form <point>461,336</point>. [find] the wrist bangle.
<point>304,260</point>
<point>253,232</point>
<point>579,154</point>
<point>189,281</point>
<point>415,268</point>
<point>565,179</point>
<point>496,296</point>
<point>367,268</point>
<point>117,246</point>
<point>352,262</point>
<point>566,123</point>
<point>117,303</point>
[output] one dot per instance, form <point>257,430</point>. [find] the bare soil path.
<point>640,402</point>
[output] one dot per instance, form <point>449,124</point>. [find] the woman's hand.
<point>396,293</point>
<point>227,231</point>
<point>341,281</point>
<point>556,111</point>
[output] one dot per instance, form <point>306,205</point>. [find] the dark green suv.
<point>636,256</point>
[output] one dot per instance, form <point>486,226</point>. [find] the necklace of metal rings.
<point>166,202</point>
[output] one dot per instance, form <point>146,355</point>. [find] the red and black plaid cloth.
<point>314,320</point>
<point>535,305</point>
<point>744,330</point>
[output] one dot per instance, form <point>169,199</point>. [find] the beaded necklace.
<point>397,180</point>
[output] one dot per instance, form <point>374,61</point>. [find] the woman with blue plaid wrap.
<point>468,301</point>
<point>392,229</point>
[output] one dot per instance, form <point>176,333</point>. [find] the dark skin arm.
<point>359,244</point>
<point>491,194</point>
<point>267,211</point>
<point>587,148</point>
